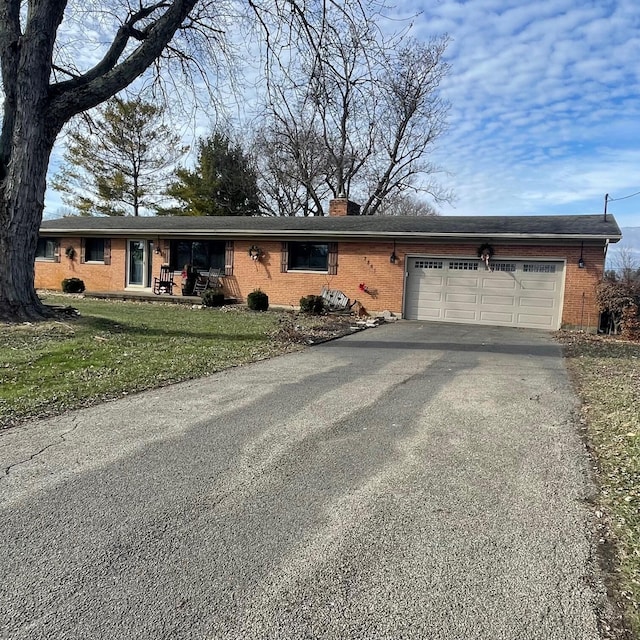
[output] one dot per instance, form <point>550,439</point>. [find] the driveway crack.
<point>62,438</point>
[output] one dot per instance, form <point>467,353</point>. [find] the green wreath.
<point>485,250</point>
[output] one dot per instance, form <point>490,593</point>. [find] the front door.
<point>139,263</point>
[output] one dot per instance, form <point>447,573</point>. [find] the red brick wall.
<point>96,277</point>
<point>358,262</point>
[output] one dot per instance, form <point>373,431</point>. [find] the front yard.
<point>115,348</point>
<point>606,373</point>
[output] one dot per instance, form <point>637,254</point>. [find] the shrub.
<point>213,298</point>
<point>614,298</point>
<point>72,285</point>
<point>313,305</point>
<point>630,323</point>
<point>258,300</point>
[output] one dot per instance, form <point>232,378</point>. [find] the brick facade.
<point>96,276</point>
<point>358,262</point>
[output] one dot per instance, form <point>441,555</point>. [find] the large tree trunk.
<point>34,111</point>
<point>28,134</point>
<point>21,205</point>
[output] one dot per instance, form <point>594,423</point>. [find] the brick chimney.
<point>343,207</point>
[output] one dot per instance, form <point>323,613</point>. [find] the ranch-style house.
<point>519,271</point>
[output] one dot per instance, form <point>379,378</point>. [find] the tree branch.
<point>108,76</point>
<point>110,59</point>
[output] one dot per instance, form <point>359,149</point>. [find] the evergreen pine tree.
<point>223,182</point>
<point>119,163</point>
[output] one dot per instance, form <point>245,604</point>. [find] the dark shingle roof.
<point>551,226</point>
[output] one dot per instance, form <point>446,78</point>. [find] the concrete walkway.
<point>416,480</point>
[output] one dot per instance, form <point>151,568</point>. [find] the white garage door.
<point>515,293</point>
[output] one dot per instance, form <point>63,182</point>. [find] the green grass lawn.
<point>607,375</point>
<point>114,348</point>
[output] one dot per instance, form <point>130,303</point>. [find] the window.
<point>509,267</point>
<point>463,266</point>
<point>308,256</point>
<point>539,268</point>
<point>200,254</point>
<point>428,264</point>
<point>47,249</point>
<point>94,250</point>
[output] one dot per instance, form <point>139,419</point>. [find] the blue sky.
<point>545,105</point>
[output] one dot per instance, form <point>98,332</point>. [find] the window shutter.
<point>81,250</point>
<point>107,251</point>
<point>284,257</point>
<point>228,258</point>
<point>333,258</point>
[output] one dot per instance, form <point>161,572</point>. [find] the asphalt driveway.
<point>416,480</point>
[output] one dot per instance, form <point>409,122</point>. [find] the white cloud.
<point>545,111</point>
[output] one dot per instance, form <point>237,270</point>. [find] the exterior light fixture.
<point>393,257</point>
<point>581,260</point>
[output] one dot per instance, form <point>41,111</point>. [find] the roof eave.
<point>346,235</point>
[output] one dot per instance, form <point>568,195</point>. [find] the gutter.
<point>308,233</point>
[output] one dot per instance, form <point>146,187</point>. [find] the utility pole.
<point>606,199</point>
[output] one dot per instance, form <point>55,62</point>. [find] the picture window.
<point>202,255</point>
<point>308,256</point>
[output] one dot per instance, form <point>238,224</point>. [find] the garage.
<point>514,293</point>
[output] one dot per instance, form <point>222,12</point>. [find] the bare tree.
<point>368,107</point>
<point>405,204</point>
<point>626,266</point>
<point>292,161</point>
<point>44,85</point>
<point>411,117</point>
<point>37,105</point>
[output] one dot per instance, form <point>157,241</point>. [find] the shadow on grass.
<point>101,324</point>
<point>97,323</point>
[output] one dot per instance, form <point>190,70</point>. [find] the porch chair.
<point>207,280</point>
<point>164,284</point>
